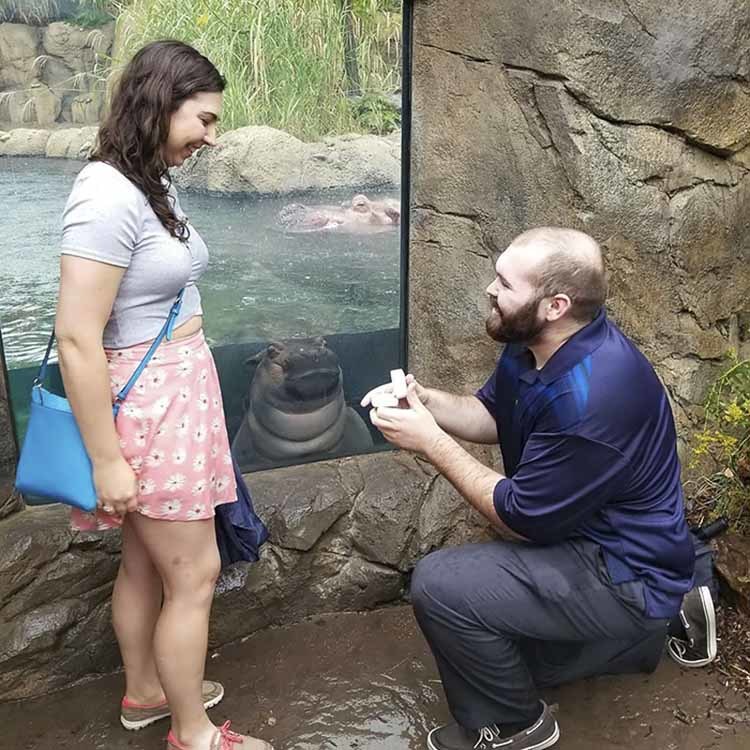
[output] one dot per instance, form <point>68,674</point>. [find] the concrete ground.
<point>368,682</point>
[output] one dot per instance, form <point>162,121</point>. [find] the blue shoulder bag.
<point>54,466</point>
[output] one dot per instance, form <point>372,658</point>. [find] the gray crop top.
<point>108,219</point>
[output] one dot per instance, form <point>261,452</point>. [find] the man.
<point>597,555</point>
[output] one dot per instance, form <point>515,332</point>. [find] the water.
<point>261,284</point>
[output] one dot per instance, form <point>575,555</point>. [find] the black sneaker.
<point>698,648</point>
<point>544,732</point>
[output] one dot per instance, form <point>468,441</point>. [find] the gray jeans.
<point>504,620</point>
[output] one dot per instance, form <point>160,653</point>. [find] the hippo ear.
<point>275,349</point>
<point>320,341</point>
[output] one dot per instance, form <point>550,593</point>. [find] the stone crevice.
<point>638,20</point>
<point>462,55</point>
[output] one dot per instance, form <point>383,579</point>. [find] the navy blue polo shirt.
<point>589,449</point>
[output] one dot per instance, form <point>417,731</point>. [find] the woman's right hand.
<point>116,486</point>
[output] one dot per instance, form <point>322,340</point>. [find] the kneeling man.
<point>596,556</point>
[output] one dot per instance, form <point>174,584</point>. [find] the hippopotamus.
<point>360,215</point>
<point>295,408</point>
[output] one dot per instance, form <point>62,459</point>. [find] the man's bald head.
<point>564,261</point>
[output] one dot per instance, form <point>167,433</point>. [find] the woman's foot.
<point>135,716</point>
<point>223,739</point>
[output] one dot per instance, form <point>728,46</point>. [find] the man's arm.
<point>475,481</point>
<point>416,429</point>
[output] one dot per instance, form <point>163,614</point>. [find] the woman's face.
<point>191,126</point>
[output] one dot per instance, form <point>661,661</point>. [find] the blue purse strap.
<point>166,332</point>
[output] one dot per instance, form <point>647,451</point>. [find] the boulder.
<point>86,108</point>
<point>19,48</point>
<point>263,161</point>
<point>57,76</point>
<point>80,49</point>
<point>24,142</point>
<point>733,565</point>
<point>71,143</point>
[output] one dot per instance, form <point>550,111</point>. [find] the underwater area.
<point>263,284</point>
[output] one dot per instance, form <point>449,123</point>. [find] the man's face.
<point>514,300</point>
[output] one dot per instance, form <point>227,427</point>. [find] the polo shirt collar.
<point>578,346</point>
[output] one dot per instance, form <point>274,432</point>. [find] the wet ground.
<point>368,682</point>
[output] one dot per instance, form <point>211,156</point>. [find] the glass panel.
<point>302,296</point>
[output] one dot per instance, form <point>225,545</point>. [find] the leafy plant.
<point>725,438</point>
<point>376,114</point>
<point>284,60</point>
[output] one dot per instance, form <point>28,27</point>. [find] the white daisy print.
<point>171,507</point>
<point>203,376</point>
<point>197,511</point>
<point>163,430</point>
<point>136,462</point>
<point>214,451</point>
<point>212,480</point>
<point>174,483</point>
<point>156,458</point>
<point>116,382</point>
<point>156,378</point>
<point>184,395</point>
<point>215,401</point>
<point>183,426</point>
<point>140,438</point>
<point>222,483</point>
<point>199,462</point>
<point>200,354</point>
<point>203,402</point>
<point>129,410</point>
<point>160,406</point>
<point>123,443</point>
<point>227,459</point>
<point>140,387</point>
<point>185,367</point>
<point>179,456</point>
<point>185,352</point>
<point>216,425</point>
<point>199,487</point>
<point>199,434</point>
<point>146,486</point>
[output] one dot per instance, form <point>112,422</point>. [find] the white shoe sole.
<point>539,745</point>
<point>708,610</point>
<point>134,726</point>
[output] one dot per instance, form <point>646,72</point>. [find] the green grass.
<point>283,59</point>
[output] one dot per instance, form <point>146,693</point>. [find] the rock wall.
<point>344,535</point>
<point>50,75</point>
<point>627,119</point>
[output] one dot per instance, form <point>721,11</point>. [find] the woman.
<point>164,465</point>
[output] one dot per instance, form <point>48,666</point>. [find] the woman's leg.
<point>187,559</point>
<point>136,603</point>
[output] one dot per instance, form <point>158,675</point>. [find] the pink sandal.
<point>224,739</point>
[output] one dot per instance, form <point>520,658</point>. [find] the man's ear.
<point>557,306</point>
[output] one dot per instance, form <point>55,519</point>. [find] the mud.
<point>368,682</point>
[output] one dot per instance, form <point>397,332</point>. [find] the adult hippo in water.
<point>296,408</point>
<point>360,215</point>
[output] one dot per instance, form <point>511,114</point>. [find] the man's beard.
<point>522,326</point>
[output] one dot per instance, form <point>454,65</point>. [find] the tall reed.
<point>283,59</point>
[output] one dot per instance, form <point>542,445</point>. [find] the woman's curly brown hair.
<point>159,78</point>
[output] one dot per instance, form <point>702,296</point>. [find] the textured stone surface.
<point>626,120</point>
<point>52,74</point>
<point>71,143</point>
<point>263,161</point>
<point>24,142</point>
<point>343,536</point>
<point>9,500</point>
<point>733,564</point>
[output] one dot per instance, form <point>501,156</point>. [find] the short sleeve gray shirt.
<point>108,219</point>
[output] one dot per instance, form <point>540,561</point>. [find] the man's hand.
<point>388,388</point>
<point>412,428</point>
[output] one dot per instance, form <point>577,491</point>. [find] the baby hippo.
<point>296,408</point>
<point>358,216</point>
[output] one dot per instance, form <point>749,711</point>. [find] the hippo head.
<point>298,370</point>
<point>296,217</point>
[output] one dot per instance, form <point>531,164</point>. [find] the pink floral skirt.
<point>172,433</point>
